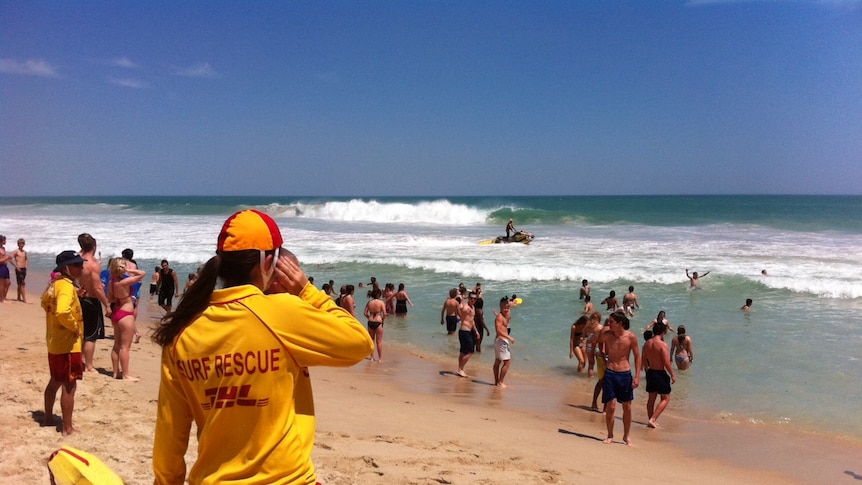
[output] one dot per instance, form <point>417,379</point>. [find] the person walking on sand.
<point>694,278</point>
<point>5,282</point>
<point>235,363</point>
<point>659,373</point>
<point>92,299</point>
<point>451,312</point>
<point>618,383</point>
<point>467,334</point>
<point>682,349</point>
<point>375,315</point>
<point>120,292</point>
<point>154,284</point>
<point>21,261</point>
<point>64,335</point>
<point>502,341</point>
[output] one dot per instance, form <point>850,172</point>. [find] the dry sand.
<point>407,420</point>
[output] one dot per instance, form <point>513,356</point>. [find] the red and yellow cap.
<point>249,229</point>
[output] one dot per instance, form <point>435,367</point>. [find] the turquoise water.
<point>792,361</point>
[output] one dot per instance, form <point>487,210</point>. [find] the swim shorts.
<point>154,288</point>
<point>657,381</point>
<point>451,323</point>
<point>20,275</point>
<point>94,321</point>
<point>66,367</point>
<point>501,349</point>
<point>467,340</point>
<point>4,272</point>
<point>166,298</point>
<point>617,385</point>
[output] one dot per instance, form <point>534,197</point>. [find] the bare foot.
<point>500,384</point>
<point>462,373</point>
<point>652,424</point>
<point>131,378</point>
<point>91,369</point>
<point>595,408</point>
<point>137,338</point>
<point>629,441</point>
<point>609,440</point>
<point>69,430</point>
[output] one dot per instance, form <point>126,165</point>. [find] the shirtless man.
<point>630,302</point>
<point>619,384</point>
<point>5,282</point>
<point>584,290</point>
<point>92,298</point>
<point>468,334</point>
<point>451,312</point>
<point>502,355</point>
<point>747,306</point>
<point>657,363</point>
<point>694,278</point>
<point>611,301</point>
<point>21,262</point>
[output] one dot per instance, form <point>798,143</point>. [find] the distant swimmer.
<point>588,306</point>
<point>763,272</point>
<point>611,301</point>
<point>694,278</point>
<point>747,306</point>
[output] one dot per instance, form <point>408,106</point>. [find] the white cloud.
<point>30,67</point>
<point>198,70</point>
<point>128,83</point>
<point>122,62</point>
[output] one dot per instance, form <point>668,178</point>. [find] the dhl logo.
<point>230,396</point>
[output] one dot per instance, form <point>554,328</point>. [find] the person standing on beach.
<point>479,307</point>
<point>235,363</point>
<point>467,334</point>
<point>657,363</point>
<point>5,282</point>
<point>694,278</point>
<point>375,315</point>
<point>169,286</point>
<point>154,283</point>
<point>451,312</point>
<point>502,354</point>
<point>92,299</point>
<point>630,302</point>
<point>21,262</point>
<point>618,383</point>
<point>64,335</point>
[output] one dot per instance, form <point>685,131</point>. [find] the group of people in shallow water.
<point>381,303</point>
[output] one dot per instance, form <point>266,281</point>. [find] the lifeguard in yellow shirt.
<point>64,332</point>
<point>235,362</point>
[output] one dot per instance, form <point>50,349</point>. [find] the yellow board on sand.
<point>70,466</point>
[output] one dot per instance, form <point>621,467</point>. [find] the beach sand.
<point>407,420</point>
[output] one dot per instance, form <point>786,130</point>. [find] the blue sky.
<point>433,98</point>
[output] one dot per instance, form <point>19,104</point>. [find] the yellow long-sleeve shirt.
<point>64,321</point>
<point>245,385</point>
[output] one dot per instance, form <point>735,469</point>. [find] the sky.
<point>430,98</point>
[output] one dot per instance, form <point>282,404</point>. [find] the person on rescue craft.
<point>235,362</point>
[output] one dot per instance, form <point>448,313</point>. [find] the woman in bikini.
<point>375,312</point>
<point>122,314</point>
<point>576,341</point>
<point>681,349</point>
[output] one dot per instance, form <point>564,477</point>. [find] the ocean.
<point>792,362</point>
